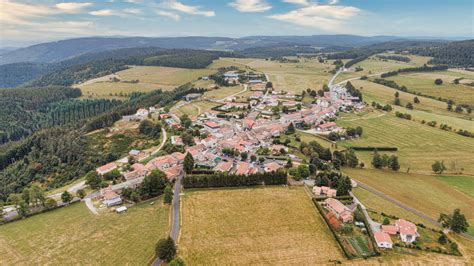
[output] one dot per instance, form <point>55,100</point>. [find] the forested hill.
<point>92,65</point>
<point>24,111</point>
<point>53,156</point>
<point>170,58</point>
<point>53,52</point>
<point>456,54</point>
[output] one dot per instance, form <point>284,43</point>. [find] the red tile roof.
<point>382,237</point>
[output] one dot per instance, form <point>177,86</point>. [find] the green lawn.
<point>72,235</point>
<point>419,145</point>
<point>464,184</point>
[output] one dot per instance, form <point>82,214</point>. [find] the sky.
<point>25,22</point>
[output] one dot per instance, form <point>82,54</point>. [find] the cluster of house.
<point>171,165</point>
<point>407,231</point>
<point>141,114</point>
<point>341,211</point>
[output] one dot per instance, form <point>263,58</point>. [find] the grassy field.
<point>194,109</point>
<point>424,83</point>
<point>77,237</point>
<point>149,77</point>
<point>272,225</point>
<point>423,192</point>
<point>419,145</point>
<point>428,109</point>
<point>374,65</point>
<point>222,92</point>
<point>293,77</point>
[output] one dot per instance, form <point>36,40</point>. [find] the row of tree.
<point>232,180</point>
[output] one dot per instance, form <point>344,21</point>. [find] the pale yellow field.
<point>248,226</point>
<point>293,77</point>
<point>74,236</point>
<point>222,92</point>
<point>373,65</point>
<point>150,78</point>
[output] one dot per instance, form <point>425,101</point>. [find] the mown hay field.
<point>428,109</point>
<point>374,65</point>
<point>424,83</point>
<point>149,78</point>
<point>293,77</point>
<point>418,145</point>
<point>271,225</point>
<point>73,235</point>
<point>425,193</point>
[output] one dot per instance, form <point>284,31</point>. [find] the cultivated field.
<point>75,235</point>
<point>149,78</point>
<point>428,109</point>
<point>373,65</point>
<point>424,83</point>
<point>293,77</point>
<point>425,193</point>
<point>419,145</point>
<point>271,225</point>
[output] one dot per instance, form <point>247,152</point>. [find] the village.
<point>238,137</point>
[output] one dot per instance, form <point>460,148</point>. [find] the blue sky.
<point>27,21</point>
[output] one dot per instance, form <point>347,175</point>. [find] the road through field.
<point>405,207</point>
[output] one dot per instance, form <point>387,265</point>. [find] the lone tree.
<point>409,106</point>
<point>291,129</point>
<point>168,195</point>
<point>166,249</point>
<point>438,81</point>
<point>416,100</point>
<point>188,163</point>
<point>66,197</point>
<point>81,193</point>
<point>394,165</point>
<point>456,222</point>
<point>438,167</point>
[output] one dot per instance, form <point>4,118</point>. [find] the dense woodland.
<point>24,111</point>
<point>455,54</point>
<point>55,155</point>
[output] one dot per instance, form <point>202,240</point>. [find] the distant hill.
<point>455,54</point>
<point>53,52</point>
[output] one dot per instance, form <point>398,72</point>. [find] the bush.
<point>166,249</point>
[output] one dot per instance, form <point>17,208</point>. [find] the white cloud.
<point>121,13</point>
<point>325,17</point>
<point>298,2</point>
<point>72,7</point>
<point>192,10</point>
<point>251,5</point>
<point>103,12</point>
<point>171,15</point>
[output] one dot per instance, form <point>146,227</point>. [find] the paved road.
<point>163,141</point>
<point>175,218</point>
<point>405,207</point>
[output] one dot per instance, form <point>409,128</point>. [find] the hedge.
<point>230,180</point>
<point>369,148</point>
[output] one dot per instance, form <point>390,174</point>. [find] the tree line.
<point>231,180</point>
